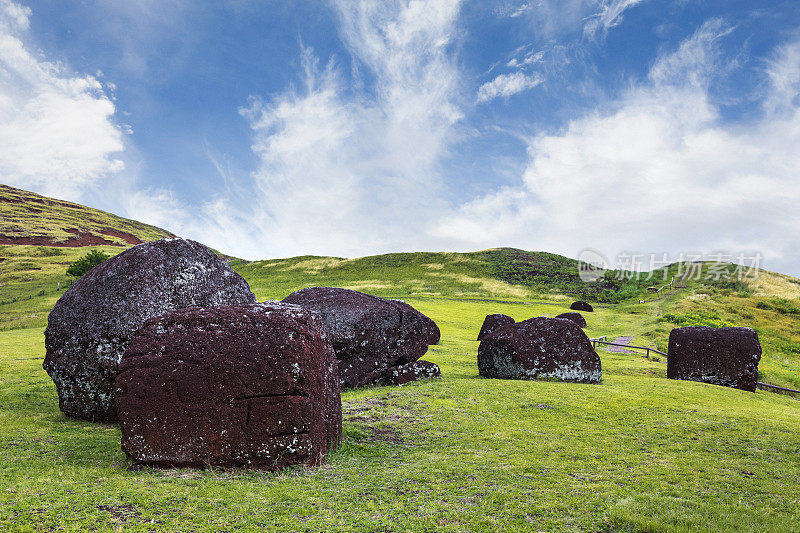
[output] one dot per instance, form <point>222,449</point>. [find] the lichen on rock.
<point>95,319</point>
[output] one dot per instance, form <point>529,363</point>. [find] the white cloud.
<point>506,85</point>
<point>513,11</point>
<point>609,16</point>
<point>343,173</point>
<point>783,73</point>
<point>659,171</point>
<point>14,16</point>
<point>530,58</point>
<point>57,133</point>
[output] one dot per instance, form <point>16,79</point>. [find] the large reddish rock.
<point>720,356</point>
<point>372,336</point>
<point>575,317</point>
<point>93,322</point>
<point>539,348</point>
<point>234,386</point>
<point>494,322</point>
<point>580,305</point>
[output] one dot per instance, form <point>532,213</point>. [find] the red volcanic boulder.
<point>541,347</point>
<point>234,386</point>
<point>371,336</point>
<point>575,317</point>
<point>494,322</point>
<point>581,306</point>
<point>93,322</point>
<point>720,356</point>
<point>400,375</point>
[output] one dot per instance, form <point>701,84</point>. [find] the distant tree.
<point>86,263</point>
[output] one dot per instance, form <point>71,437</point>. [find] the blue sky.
<point>350,127</point>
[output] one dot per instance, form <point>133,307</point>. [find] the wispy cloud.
<point>658,166</point>
<point>343,173</point>
<point>506,85</point>
<point>531,57</point>
<point>514,10</point>
<point>608,16</point>
<point>783,74</point>
<point>57,128</point>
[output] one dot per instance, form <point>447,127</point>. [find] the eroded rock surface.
<point>494,322</point>
<point>582,306</point>
<point>371,336</point>
<point>93,322</point>
<point>539,348</point>
<point>720,356</point>
<point>233,386</point>
<point>575,317</point>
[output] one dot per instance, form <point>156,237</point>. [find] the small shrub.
<point>699,318</point>
<point>86,263</point>
<point>45,251</point>
<point>779,305</point>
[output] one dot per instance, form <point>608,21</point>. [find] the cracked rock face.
<point>372,336</point>
<point>494,322</point>
<point>575,317</point>
<point>251,386</point>
<point>720,356</point>
<point>539,348</point>
<point>581,306</point>
<point>93,322</point>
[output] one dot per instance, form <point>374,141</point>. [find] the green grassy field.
<point>636,453</point>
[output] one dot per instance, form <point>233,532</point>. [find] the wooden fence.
<point>775,388</point>
<point>597,341</point>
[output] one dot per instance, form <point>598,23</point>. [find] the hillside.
<point>31,219</point>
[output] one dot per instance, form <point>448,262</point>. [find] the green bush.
<point>779,305</point>
<point>699,318</point>
<point>86,263</point>
<point>46,251</point>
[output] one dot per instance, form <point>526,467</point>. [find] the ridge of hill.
<point>27,218</point>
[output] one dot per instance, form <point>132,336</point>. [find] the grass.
<point>32,278</point>
<point>28,215</point>
<point>635,453</point>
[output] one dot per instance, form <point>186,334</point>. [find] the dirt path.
<point>618,349</point>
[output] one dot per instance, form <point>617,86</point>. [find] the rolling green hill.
<point>29,218</point>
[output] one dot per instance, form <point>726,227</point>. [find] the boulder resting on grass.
<point>580,305</point>
<point>720,356</point>
<point>251,386</point>
<point>95,319</point>
<point>494,322</point>
<point>371,336</point>
<point>575,317</point>
<point>539,348</point>
<point>400,375</point>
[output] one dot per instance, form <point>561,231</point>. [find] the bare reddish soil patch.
<point>81,239</point>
